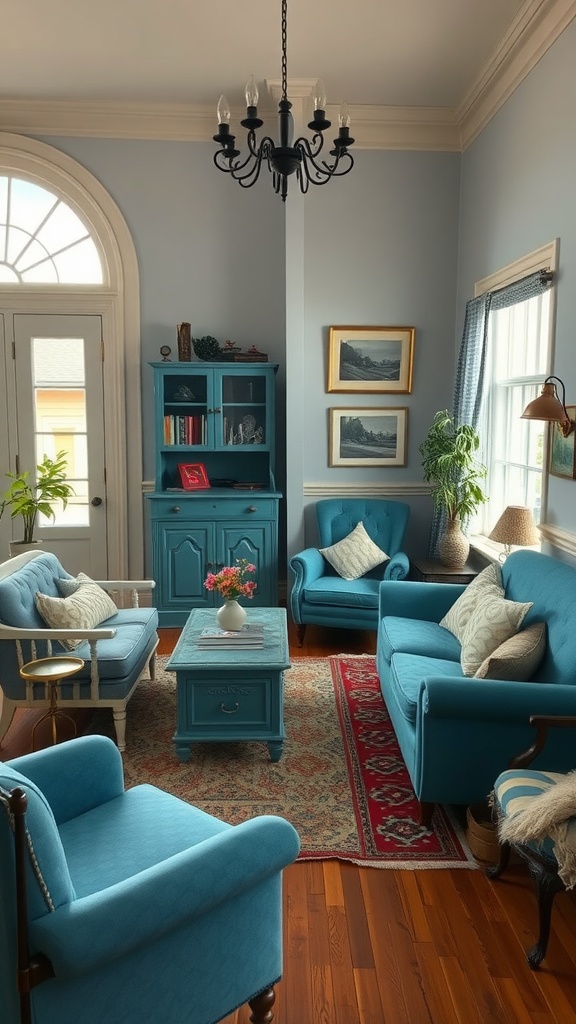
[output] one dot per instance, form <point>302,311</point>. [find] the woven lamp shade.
<point>516,526</point>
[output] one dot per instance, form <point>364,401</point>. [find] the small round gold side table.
<point>52,671</point>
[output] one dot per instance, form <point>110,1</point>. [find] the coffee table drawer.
<point>227,706</point>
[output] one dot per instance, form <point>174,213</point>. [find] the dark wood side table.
<point>430,570</point>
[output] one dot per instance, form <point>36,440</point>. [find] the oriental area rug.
<point>341,779</point>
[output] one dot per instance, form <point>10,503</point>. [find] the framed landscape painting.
<point>562,455</point>
<point>368,437</point>
<point>370,360</point>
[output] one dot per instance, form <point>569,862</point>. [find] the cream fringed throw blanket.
<point>548,815</point>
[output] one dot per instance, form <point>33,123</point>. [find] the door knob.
<point>96,501</point>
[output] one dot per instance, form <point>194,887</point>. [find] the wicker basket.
<point>481,833</point>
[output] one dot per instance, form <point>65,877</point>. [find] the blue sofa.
<point>116,653</point>
<point>458,733</point>
<point>135,906</point>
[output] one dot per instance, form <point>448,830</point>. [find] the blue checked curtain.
<point>469,386</point>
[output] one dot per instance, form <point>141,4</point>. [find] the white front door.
<point>58,382</point>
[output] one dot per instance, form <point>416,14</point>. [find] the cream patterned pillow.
<point>517,658</point>
<point>355,554</point>
<point>86,607</point>
<point>487,583</point>
<point>493,620</point>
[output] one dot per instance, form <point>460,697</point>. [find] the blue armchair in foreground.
<point>320,594</point>
<point>131,905</point>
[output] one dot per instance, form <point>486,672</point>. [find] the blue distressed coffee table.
<point>228,695</point>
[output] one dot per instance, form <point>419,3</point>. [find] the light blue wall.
<point>519,192</point>
<point>381,248</point>
<point>208,252</point>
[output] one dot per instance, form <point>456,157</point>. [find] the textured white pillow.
<point>355,554</point>
<point>493,620</point>
<point>517,658</point>
<point>86,607</point>
<point>487,583</point>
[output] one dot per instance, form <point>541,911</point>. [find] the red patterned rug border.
<point>444,819</point>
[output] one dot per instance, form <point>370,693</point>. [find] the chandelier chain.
<point>284,46</point>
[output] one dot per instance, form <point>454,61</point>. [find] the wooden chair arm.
<point>124,586</point>
<point>542,723</point>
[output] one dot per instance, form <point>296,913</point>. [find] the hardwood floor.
<point>373,946</point>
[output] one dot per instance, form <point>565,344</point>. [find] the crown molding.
<point>535,28</point>
<point>157,121</point>
<point>375,127</point>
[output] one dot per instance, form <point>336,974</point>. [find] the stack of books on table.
<point>250,637</point>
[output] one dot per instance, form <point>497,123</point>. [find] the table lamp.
<point>516,526</point>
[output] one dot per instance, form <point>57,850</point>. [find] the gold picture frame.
<point>371,360</point>
<point>368,437</point>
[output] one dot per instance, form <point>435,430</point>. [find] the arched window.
<point>42,240</point>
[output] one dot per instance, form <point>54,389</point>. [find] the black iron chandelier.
<point>288,157</point>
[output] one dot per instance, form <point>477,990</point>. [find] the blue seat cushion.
<point>407,672</point>
<point>333,590</point>
<point>515,789</point>
<point>118,656</point>
<point>417,636</point>
<point>147,824</point>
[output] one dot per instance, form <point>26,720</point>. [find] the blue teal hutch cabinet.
<point>214,425</point>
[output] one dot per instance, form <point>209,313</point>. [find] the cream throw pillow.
<point>517,658</point>
<point>487,583</point>
<point>354,555</point>
<point>493,620</point>
<point>86,607</point>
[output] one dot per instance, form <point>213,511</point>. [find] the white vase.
<point>453,546</point>
<point>231,615</point>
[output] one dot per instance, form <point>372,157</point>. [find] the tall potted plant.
<point>451,464</point>
<point>26,499</point>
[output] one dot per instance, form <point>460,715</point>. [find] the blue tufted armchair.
<point>319,595</point>
<point>131,905</point>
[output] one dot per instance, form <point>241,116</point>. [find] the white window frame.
<point>544,258</point>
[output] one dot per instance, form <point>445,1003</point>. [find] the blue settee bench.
<point>116,653</point>
<point>457,733</point>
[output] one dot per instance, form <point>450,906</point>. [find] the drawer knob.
<point>230,711</point>
<point>175,508</point>
<point>252,508</point>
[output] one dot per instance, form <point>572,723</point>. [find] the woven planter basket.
<point>481,834</point>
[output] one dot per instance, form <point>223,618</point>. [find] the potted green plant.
<point>451,464</point>
<point>26,499</point>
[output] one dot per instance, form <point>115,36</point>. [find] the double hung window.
<point>518,358</point>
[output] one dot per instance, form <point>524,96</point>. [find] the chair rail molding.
<point>561,539</point>
<point>357,490</point>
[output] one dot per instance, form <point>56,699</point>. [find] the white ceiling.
<point>398,52</point>
<point>380,53</point>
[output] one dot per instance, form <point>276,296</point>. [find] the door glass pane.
<point>58,370</point>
